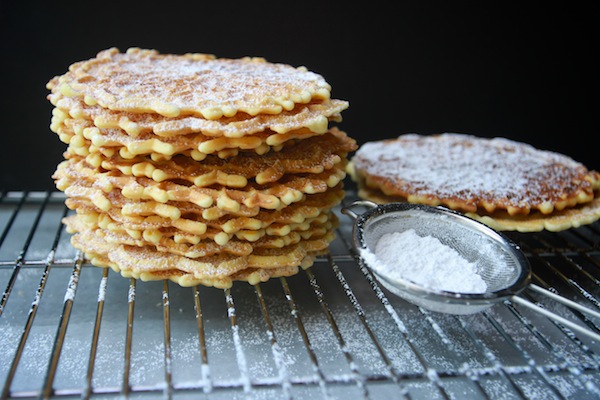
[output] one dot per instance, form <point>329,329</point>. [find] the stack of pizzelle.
<point>508,185</point>
<point>198,169</point>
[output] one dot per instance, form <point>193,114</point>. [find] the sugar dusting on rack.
<point>425,261</point>
<point>397,349</point>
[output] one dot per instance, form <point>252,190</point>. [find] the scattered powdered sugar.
<point>425,261</point>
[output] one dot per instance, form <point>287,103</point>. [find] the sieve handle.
<point>555,317</point>
<point>564,300</point>
<point>347,210</point>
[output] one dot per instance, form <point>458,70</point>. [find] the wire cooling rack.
<point>68,329</point>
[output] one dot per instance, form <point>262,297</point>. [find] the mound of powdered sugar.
<point>425,261</point>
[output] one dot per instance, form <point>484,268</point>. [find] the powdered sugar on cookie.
<point>466,172</point>
<point>142,80</point>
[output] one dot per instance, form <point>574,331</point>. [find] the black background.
<point>528,73</point>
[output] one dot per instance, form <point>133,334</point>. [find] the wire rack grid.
<point>69,329</point>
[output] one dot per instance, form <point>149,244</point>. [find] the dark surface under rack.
<point>68,329</point>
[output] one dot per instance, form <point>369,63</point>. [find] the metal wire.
<point>207,384</point>
<point>553,361</point>
<point>47,390</point>
<point>87,388</point>
<point>125,387</point>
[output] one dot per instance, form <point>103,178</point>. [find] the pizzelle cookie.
<point>85,138</point>
<point>313,116</point>
<point>144,81</point>
<point>506,184</point>
<point>198,169</point>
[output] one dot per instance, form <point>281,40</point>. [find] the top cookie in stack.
<point>198,169</point>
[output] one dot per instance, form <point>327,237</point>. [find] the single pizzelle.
<point>313,116</point>
<point>506,184</point>
<point>145,81</point>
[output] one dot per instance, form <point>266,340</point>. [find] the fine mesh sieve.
<point>500,263</point>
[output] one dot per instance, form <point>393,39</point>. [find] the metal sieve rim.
<point>375,210</point>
